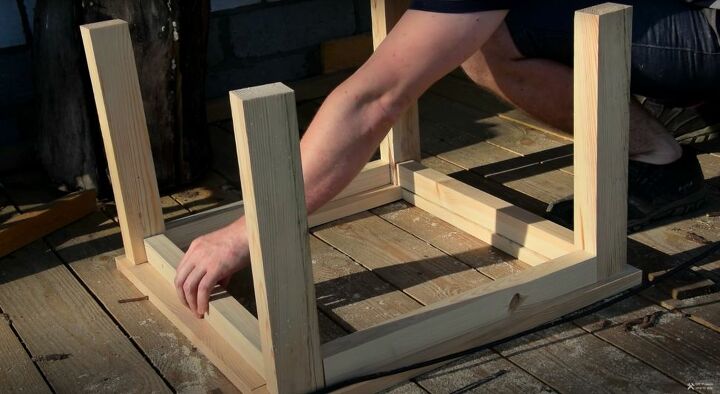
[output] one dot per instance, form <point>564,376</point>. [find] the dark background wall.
<point>250,42</point>
<point>268,41</point>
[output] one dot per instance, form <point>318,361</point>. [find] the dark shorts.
<point>675,51</point>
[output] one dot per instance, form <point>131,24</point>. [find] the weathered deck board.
<point>574,361</point>
<point>673,344</point>
<point>507,154</point>
<point>420,270</point>
<point>89,247</point>
<point>494,373</point>
<point>355,297</point>
<point>513,137</point>
<point>17,370</point>
<point>489,261</point>
<point>66,331</point>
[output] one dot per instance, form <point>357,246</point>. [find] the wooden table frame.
<point>280,351</point>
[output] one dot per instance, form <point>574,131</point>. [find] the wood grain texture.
<point>540,235</point>
<point>671,342</point>
<point>602,129</point>
<point>489,261</point>
<point>200,333</point>
<point>478,231</point>
<point>466,315</point>
<point>351,294</point>
<point>30,226</point>
<point>494,373</point>
<point>359,197</point>
<point>119,104</point>
<point>375,174</point>
<point>402,142</point>
<point>420,270</point>
<point>90,247</point>
<point>65,329</point>
<point>268,147</point>
<point>573,361</point>
<point>516,163</point>
<point>17,371</point>
<point>520,322</point>
<point>226,315</point>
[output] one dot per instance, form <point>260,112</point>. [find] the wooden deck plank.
<point>483,366</point>
<point>672,343</point>
<point>508,194</point>
<point>484,155</point>
<point>347,304</point>
<point>421,271</point>
<point>90,247</point>
<point>18,373</point>
<point>211,192</point>
<point>78,347</point>
<point>513,137</point>
<point>487,260</point>
<point>574,361</point>
<point>492,373</point>
<point>355,297</point>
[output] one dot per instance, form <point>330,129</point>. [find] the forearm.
<point>340,140</point>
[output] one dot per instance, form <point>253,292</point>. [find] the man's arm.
<point>422,48</point>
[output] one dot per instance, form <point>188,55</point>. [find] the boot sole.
<point>677,208</point>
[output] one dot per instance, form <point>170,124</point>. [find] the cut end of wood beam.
<point>103,24</point>
<point>605,8</point>
<point>261,91</point>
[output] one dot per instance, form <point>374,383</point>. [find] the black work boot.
<point>697,125</point>
<point>654,192</point>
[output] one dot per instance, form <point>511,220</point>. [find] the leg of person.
<point>526,82</point>
<point>663,178</point>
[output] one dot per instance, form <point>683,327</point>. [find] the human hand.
<point>211,259</point>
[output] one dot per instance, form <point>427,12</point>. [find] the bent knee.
<point>478,69</point>
<point>495,59</point>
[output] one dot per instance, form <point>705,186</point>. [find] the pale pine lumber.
<point>542,236</point>
<point>267,138</point>
<point>184,230</point>
<point>478,231</point>
<point>602,124</point>
<point>212,344</point>
<point>522,319</point>
<point>23,229</point>
<point>375,174</point>
<point>225,315</point>
<point>465,315</point>
<point>347,206</point>
<point>402,142</point>
<point>120,110</point>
